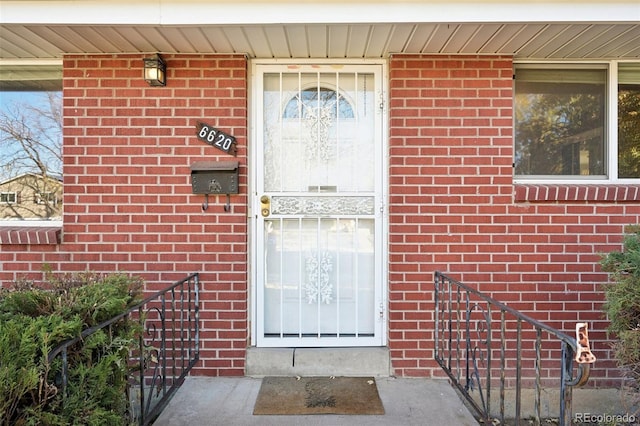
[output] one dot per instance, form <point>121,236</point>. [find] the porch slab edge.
<point>352,361</point>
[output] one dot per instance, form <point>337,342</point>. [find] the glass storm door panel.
<point>319,206</point>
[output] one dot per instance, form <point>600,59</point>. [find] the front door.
<point>319,205</point>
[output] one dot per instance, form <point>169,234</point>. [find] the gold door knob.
<point>265,205</point>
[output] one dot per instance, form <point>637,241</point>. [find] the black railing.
<point>166,350</point>
<point>483,344</point>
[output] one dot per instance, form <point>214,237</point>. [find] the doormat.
<point>318,395</point>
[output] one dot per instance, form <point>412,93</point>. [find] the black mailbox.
<point>214,177</point>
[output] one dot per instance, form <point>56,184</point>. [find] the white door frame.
<point>255,172</point>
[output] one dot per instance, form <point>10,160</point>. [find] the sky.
<point>7,99</point>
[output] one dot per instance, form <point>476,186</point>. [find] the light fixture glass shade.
<point>155,71</point>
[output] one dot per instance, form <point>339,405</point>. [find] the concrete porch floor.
<point>230,400</point>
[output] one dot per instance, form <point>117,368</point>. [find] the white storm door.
<point>319,205</point>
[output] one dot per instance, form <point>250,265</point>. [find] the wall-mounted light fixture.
<point>155,71</point>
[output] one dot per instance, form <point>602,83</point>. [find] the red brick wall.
<point>453,204</point>
<point>454,209</point>
<point>128,200</point>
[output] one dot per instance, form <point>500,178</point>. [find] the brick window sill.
<point>32,235</point>
<point>578,192</point>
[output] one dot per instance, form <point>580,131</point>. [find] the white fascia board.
<point>200,12</point>
<point>98,12</point>
<point>26,62</point>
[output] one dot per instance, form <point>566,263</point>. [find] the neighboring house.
<point>31,196</point>
<point>375,143</point>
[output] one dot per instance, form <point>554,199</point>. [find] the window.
<point>31,134</point>
<point>30,120</point>
<point>629,121</point>
<point>560,122</point>
<point>562,117</point>
<point>48,198</point>
<point>8,197</point>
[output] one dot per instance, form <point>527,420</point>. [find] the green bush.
<point>622,304</point>
<point>33,321</point>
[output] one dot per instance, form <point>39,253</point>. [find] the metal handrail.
<point>464,345</point>
<point>167,348</point>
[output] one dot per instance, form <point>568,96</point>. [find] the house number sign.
<point>215,137</point>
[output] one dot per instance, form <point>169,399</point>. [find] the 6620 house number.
<point>215,137</point>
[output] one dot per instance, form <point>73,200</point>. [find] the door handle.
<point>265,205</point>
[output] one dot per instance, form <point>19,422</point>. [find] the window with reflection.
<point>31,133</point>
<point>560,122</point>
<point>562,117</point>
<point>629,120</point>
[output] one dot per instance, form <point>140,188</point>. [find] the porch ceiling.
<point>379,40</point>
<point>281,29</point>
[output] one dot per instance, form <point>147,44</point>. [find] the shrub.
<point>622,304</point>
<point>35,320</point>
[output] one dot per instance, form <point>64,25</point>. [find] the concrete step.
<point>229,401</point>
<point>355,361</point>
